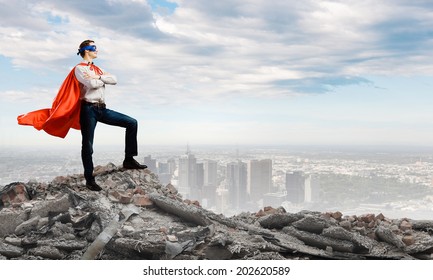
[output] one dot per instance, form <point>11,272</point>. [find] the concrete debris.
<point>105,236</point>
<point>135,217</point>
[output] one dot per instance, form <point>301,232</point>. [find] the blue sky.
<point>229,72</point>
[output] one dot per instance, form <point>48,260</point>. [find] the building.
<point>295,186</point>
<point>237,182</point>
<point>171,165</point>
<point>312,188</point>
<point>210,183</point>
<point>210,173</point>
<point>151,163</point>
<point>197,189</point>
<point>187,174</point>
<point>222,205</point>
<point>259,178</point>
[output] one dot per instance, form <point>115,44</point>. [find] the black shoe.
<point>131,163</point>
<point>93,186</point>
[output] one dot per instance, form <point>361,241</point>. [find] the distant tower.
<point>187,173</point>
<point>210,182</point>
<point>151,163</point>
<point>222,195</point>
<point>295,186</point>
<point>210,172</point>
<point>197,189</point>
<point>171,165</point>
<point>312,188</point>
<point>259,178</point>
<point>237,184</point>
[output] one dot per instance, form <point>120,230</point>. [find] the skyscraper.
<point>187,174</point>
<point>197,189</point>
<point>210,183</point>
<point>171,165</point>
<point>259,178</point>
<point>210,173</point>
<point>151,163</point>
<point>295,186</point>
<point>237,184</point>
<point>312,188</point>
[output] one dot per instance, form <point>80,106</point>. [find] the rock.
<point>172,238</point>
<point>15,193</point>
<point>27,226</point>
<point>337,215</point>
<point>405,225</point>
<point>217,253</point>
<point>368,218</point>
<point>386,234</point>
<point>312,224</point>
<point>171,189</point>
<point>59,205</point>
<point>343,234</point>
<point>187,212</point>
<point>142,200</point>
<point>121,196</point>
<point>426,225</point>
<point>9,220</point>
<point>319,241</point>
<point>42,222</point>
<point>47,252</point>
<point>13,241</point>
<point>380,217</point>
<point>279,220</point>
<point>10,251</point>
<point>408,240</point>
<point>346,225</point>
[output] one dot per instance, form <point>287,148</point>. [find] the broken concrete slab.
<point>47,252</point>
<point>43,208</point>
<point>27,226</point>
<point>320,241</point>
<point>313,224</point>
<point>279,220</point>
<point>387,235</point>
<point>190,213</point>
<point>10,251</point>
<point>10,219</point>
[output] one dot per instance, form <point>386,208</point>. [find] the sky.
<point>229,72</point>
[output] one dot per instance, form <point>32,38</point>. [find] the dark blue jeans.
<point>89,116</point>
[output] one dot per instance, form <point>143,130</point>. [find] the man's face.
<point>93,54</point>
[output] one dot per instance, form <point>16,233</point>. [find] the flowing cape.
<point>64,113</point>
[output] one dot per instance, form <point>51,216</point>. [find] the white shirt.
<point>93,90</point>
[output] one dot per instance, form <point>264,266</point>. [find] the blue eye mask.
<point>91,48</point>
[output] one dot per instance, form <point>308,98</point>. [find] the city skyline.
<point>229,72</point>
<point>393,183</point>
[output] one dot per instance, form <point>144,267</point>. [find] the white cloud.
<point>211,48</point>
<point>207,52</point>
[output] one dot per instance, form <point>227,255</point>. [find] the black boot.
<point>131,163</point>
<point>93,186</point>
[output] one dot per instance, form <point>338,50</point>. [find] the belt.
<point>99,105</point>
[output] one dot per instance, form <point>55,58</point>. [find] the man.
<point>92,81</point>
<point>80,104</point>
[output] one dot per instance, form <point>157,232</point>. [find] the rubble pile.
<point>135,217</point>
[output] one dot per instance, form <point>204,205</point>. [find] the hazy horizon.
<point>383,170</point>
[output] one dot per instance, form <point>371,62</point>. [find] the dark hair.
<point>82,45</point>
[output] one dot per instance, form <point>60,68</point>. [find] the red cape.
<point>64,113</point>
